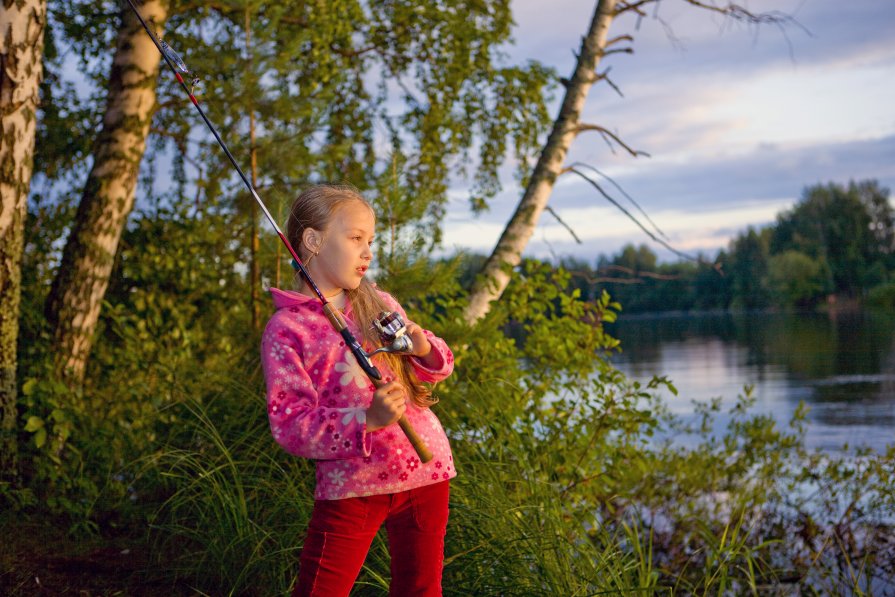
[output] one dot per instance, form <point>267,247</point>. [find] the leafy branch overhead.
<point>332,95</point>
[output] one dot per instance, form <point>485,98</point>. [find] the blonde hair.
<point>314,208</point>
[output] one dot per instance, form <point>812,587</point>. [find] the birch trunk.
<point>80,284</point>
<point>21,68</point>
<point>495,275</point>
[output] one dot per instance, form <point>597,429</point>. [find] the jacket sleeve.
<point>439,349</point>
<point>297,420</point>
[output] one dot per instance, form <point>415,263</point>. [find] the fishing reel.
<point>393,334</point>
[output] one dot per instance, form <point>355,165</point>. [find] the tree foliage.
<point>835,241</point>
<point>797,280</point>
<point>342,94</point>
<point>847,229</point>
<point>335,94</point>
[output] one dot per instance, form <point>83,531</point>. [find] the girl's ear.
<point>311,240</point>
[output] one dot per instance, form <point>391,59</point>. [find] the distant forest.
<point>835,246</point>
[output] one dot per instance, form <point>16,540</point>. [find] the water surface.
<point>841,364</point>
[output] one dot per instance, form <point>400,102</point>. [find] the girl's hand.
<point>421,345</point>
<point>387,407</point>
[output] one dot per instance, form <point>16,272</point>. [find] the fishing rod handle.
<point>419,446</point>
<point>338,322</point>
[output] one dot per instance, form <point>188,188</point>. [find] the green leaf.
<point>40,438</point>
<point>28,386</point>
<point>34,424</point>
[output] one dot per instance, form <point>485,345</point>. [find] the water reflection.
<point>842,364</point>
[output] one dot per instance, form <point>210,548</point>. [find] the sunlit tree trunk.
<point>507,254</point>
<point>79,286</point>
<point>21,48</point>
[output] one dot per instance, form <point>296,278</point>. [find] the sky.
<point>737,120</point>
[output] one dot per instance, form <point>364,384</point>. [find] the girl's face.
<point>344,248</point>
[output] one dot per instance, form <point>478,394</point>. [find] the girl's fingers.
<point>421,345</point>
<point>395,397</point>
<point>415,330</point>
<point>389,387</point>
<point>391,391</point>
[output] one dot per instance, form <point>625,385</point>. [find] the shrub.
<point>882,296</point>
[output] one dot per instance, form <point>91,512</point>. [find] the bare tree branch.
<point>607,133</point>
<point>566,226</point>
<point>617,51</point>
<point>633,219</point>
<point>740,13</point>
<point>605,76</point>
<point>633,7</point>
<point>636,277</point>
<point>632,272</point>
<point>627,196</point>
<point>625,37</point>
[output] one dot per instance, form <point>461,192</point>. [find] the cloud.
<point>699,204</point>
<point>689,111</point>
<point>768,171</point>
<point>604,229</point>
<point>673,31</point>
<point>730,83</point>
<point>738,120</point>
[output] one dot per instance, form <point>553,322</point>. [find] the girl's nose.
<point>368,253</point>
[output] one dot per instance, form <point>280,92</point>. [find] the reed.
<point>236,507</point>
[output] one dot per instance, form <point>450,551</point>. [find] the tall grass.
<point>237,507</point>
<point>511,533</point>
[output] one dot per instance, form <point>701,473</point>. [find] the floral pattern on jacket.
<point>317,397</point>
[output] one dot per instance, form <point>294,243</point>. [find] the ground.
<point>39,557</point>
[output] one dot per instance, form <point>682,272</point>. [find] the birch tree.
<point>595,44</point>
<point>77,291</point>
<point>22,27</point>
<point>508,253</point>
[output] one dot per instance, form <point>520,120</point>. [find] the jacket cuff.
<point>443,357</point>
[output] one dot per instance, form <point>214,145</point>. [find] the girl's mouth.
<point>361,270</point>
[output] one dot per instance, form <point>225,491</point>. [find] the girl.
<point>322,406</point>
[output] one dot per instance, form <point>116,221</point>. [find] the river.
<point>841,364</point>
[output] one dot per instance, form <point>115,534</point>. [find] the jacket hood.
<point>283,299</point>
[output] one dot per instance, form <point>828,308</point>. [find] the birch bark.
<point>21,69</point>
<point>78,289</point>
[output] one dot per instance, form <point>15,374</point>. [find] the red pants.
<point>341,531</point>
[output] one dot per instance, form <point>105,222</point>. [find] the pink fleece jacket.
<point>317,396</point>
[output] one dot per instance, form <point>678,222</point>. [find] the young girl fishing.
<point>322,406</point>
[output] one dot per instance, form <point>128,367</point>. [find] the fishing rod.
<point>389,325</point>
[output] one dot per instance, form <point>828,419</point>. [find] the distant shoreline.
<point>849,306</point>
